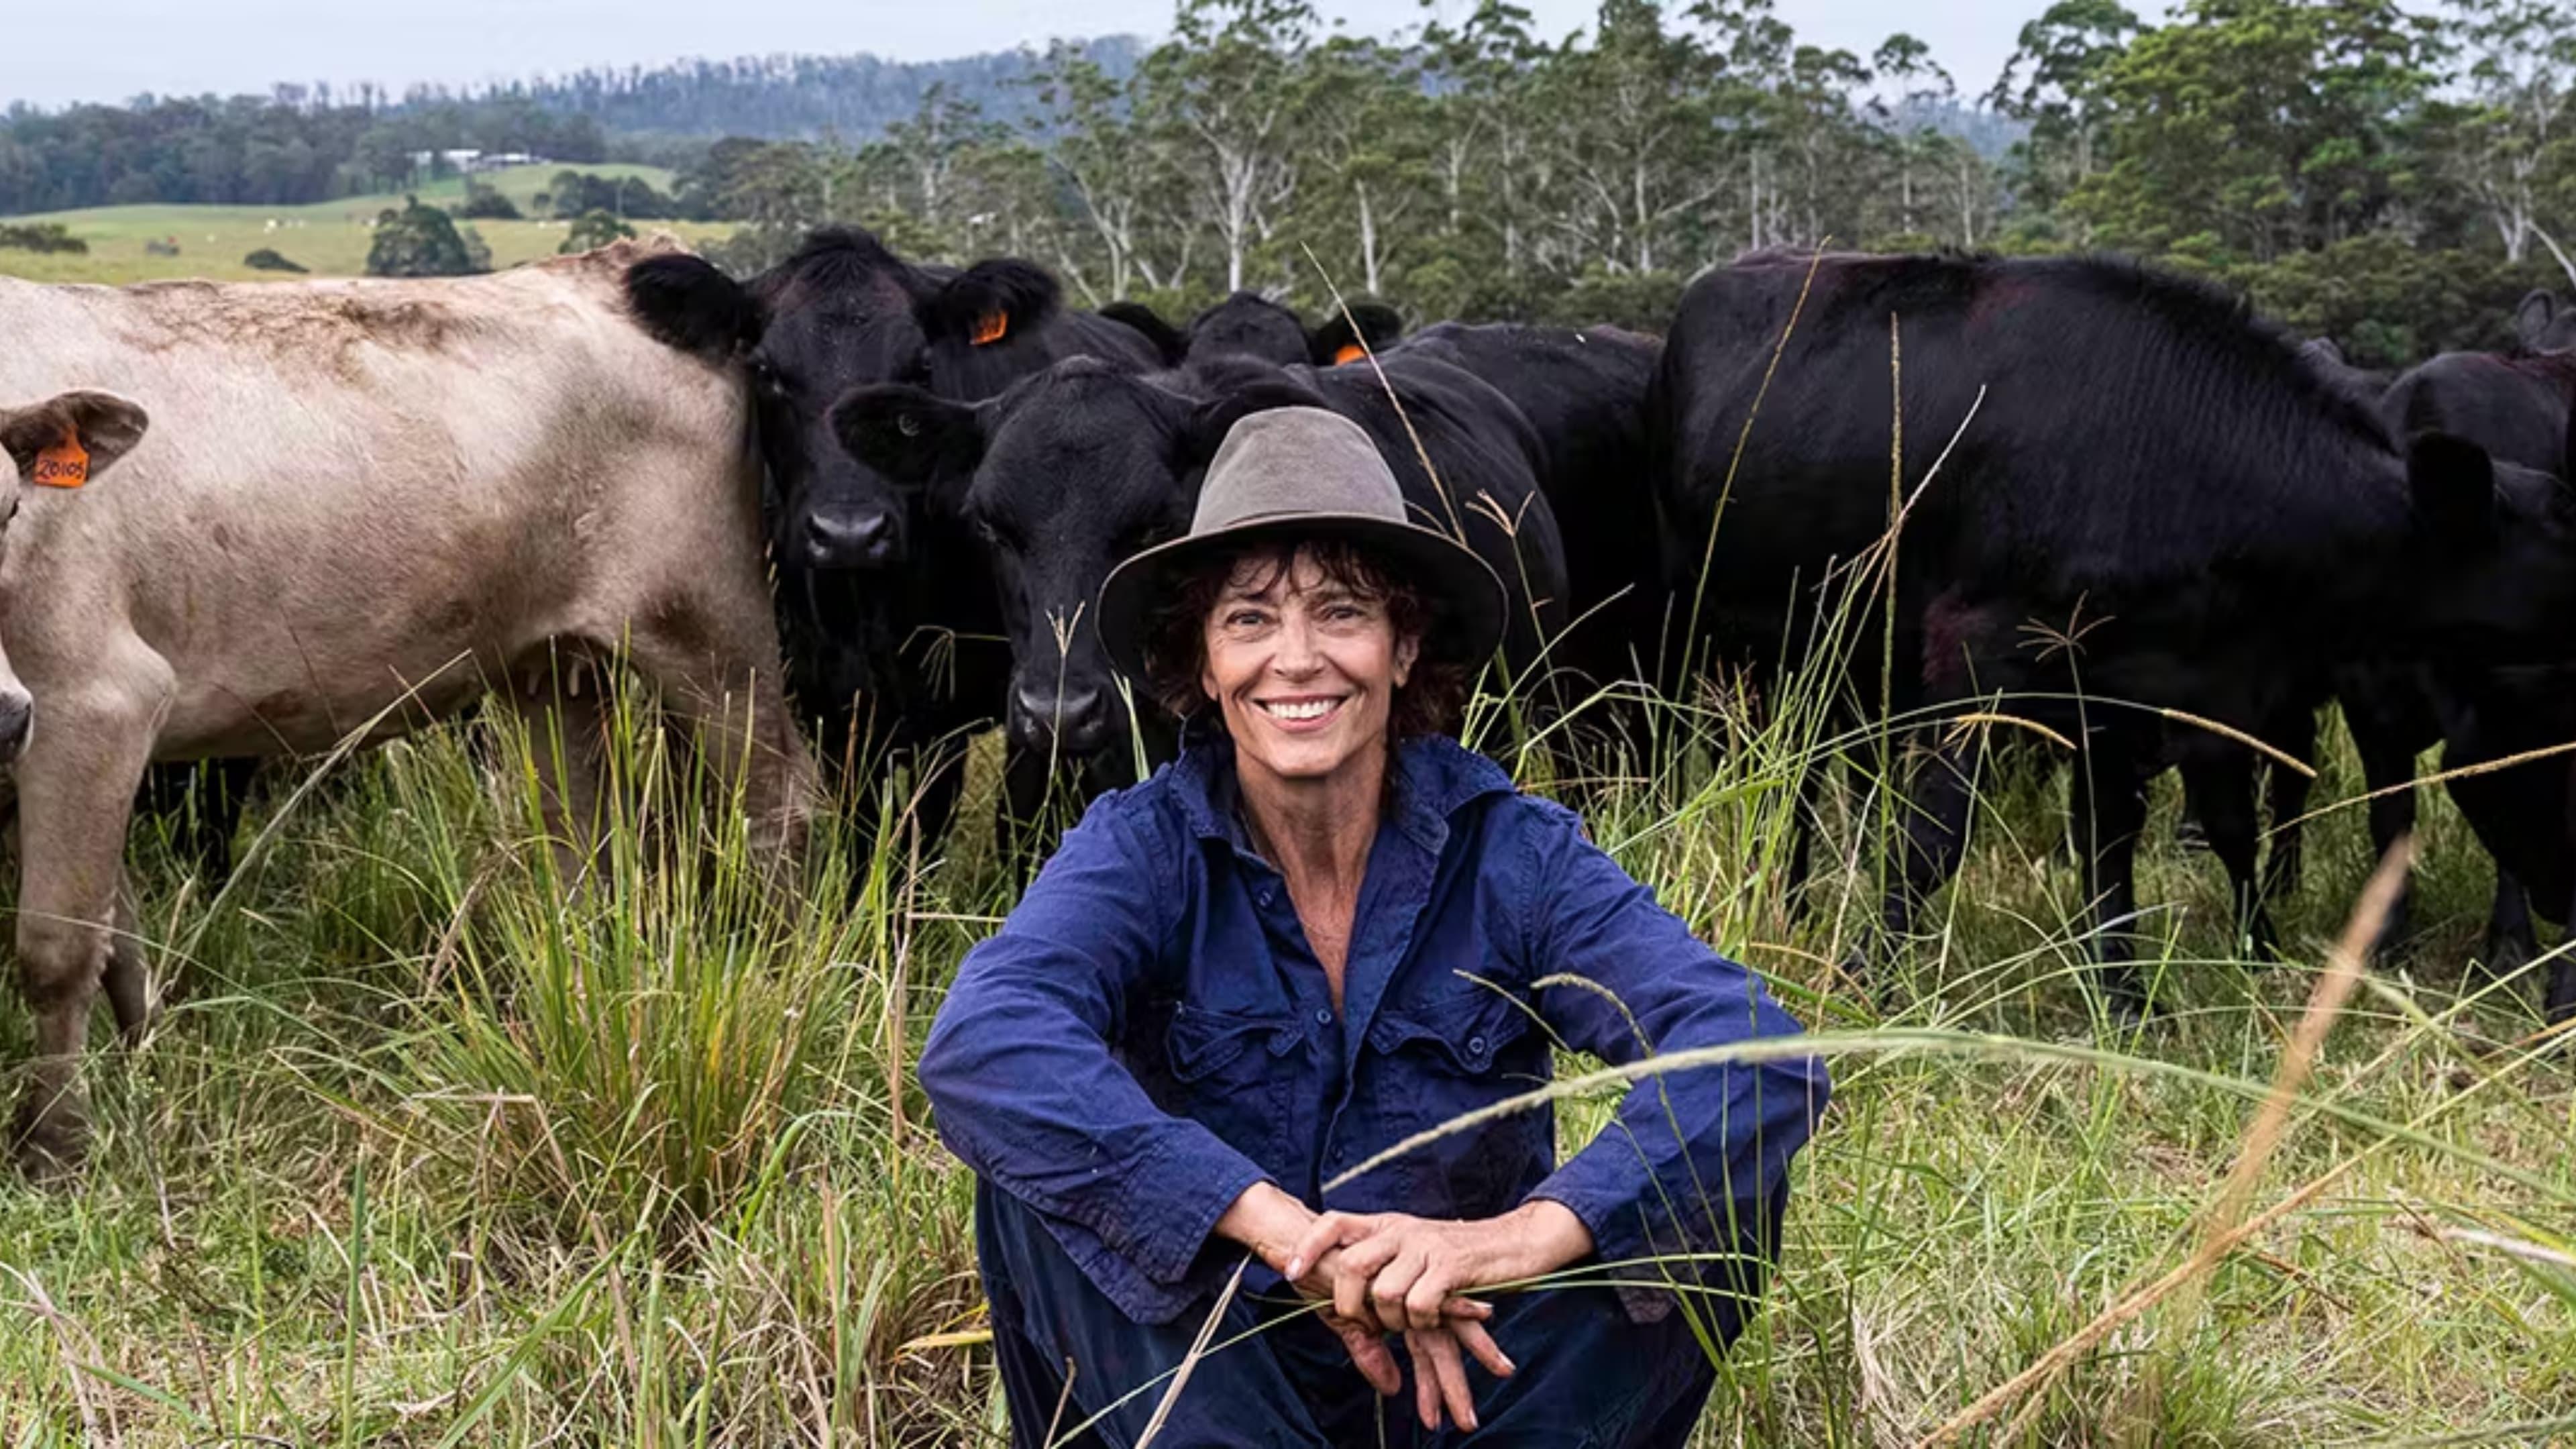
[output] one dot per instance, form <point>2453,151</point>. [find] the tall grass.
<point>429,1150</point>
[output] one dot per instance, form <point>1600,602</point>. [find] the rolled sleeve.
<point>1696,1160</point>
<point>1026,1090</point>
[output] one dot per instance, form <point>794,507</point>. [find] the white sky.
<point>111,50</point>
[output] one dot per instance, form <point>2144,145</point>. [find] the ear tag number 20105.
<point>64,465</point>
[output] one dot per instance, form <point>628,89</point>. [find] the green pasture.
<point>329,238</point>
<point>425,1153</point>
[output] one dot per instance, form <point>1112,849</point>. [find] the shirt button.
<point>1323,1016</point>
<point>1475,1046</point>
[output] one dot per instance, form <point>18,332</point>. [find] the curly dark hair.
<point>1431,701</point>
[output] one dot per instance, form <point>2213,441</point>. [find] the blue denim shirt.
<point>1149,1034</point>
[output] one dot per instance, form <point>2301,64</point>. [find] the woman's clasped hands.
<point>1376,1274</point>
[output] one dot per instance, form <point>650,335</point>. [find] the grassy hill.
<point>330,238</point>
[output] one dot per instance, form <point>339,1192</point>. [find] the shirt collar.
<point>1435,777</point>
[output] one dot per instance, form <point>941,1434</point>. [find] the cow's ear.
<point>991,301</point>
<point>68,440</point>
<point>909,435</point>
<point>2454,484</point>
<point>1338,340</point>
<point>2532,316</point>
<point>1167,340</point>
<point>686,303</point>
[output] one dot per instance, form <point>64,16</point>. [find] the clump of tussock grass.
<point>428,1151</point>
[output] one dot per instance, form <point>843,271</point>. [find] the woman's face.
<point>1304,668</point>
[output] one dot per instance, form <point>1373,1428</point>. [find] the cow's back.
<point>352,488</point>
<point>2124,441</point>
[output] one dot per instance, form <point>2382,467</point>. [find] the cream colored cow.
<point>358,498</point>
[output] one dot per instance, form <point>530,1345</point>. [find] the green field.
<point>330,238</point>
<point>424,1155</point>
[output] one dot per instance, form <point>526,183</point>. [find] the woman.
<point>1324,929</point>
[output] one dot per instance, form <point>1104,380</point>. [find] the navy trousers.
<point>1588,1378</point>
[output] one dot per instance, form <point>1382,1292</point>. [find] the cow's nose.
<point>17,724</point>
<point>1076,721</point>
<point>850,539</point>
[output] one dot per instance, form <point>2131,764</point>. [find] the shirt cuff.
<point>1180,1196</point>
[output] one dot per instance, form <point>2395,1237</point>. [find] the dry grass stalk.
<point>2222,1230</point>
<point>1190,1360</point>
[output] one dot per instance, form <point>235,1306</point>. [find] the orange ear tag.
<point>1350,352</point>
<point>991,326</point>
<point>64,465</point>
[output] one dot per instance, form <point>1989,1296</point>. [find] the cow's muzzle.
<point>1075,722</point>
<point>852,538</point>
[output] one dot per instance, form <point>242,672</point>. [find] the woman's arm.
<point>1020,1075</point>
<point>1694,1159</point>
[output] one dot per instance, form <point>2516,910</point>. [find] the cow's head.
<point>59,445</point>
<point>2496,555</point>
<point>1063,476</point>
<point>2543,324</point>
<point>1248,324</point>
<point>844,312</point>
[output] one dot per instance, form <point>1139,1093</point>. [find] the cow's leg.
<point>2225,776</point>
<point>129,984</point>
<point>718,671</point>
<point>1939,792</point>
<point>2561,1001</point>
<point>2287,801</point>
<point>2387,753</point>
<point>2512,940</point>
<point>2109,804</point>
<point>559,699</point>
<point>76,793</point>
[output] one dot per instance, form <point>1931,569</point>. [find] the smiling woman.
<point>1325,930</point>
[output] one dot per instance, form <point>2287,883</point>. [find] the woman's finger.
<point>1426,1387</point>
<point>1351,1270</point>
<point>1479,1341</point>
<point>1427,1295</point>
<point>1388,1289</point>
<point>1369,1355</point>
<point>1327,1232</point>
<point>1452,1370</point>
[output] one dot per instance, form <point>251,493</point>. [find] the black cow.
<point>1584,393</point>
<point>2521,814</point>
<point>1074,469</point>
<point>2159,503</point>
<point>1248,324</point>
<point>886,602</point>
<point>2516,407</point>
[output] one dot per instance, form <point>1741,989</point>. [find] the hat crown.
<point>1282,462</point>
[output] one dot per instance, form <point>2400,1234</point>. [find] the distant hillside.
<point>799,97</point>
<point>296,147</point>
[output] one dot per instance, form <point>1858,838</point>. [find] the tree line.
<point>297,146</point>
<point>2389,178</point>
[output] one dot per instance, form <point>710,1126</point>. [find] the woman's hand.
<point>1401,1271</point>
<point>1406,1275</point>
<point>1272,1224</point>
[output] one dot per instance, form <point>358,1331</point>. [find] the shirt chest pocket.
<point>1233,1074</point>
<point>1473,1045</point>
<point>1441,1060</point>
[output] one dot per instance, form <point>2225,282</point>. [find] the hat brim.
<point>1465,595</point>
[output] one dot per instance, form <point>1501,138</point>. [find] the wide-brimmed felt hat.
<point>1299,474</point>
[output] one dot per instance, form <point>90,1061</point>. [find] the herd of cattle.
<point>890,492</point>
